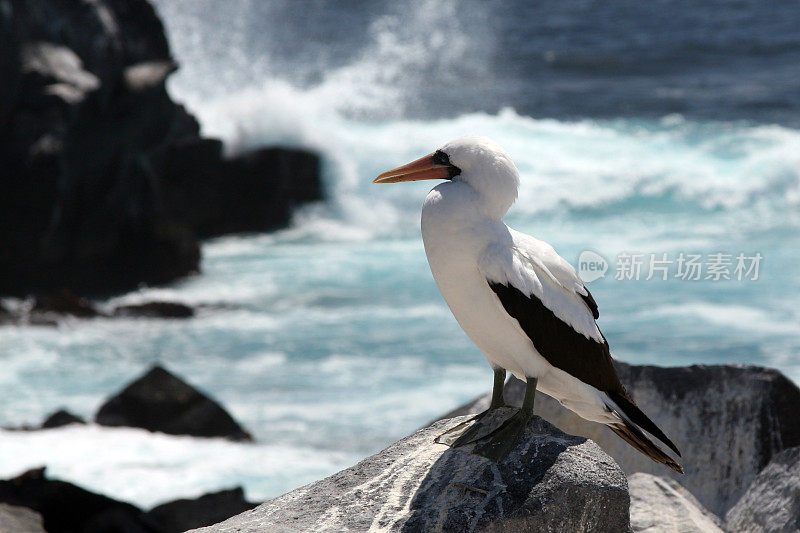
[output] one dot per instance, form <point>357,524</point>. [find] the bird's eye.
<point>441,158</point>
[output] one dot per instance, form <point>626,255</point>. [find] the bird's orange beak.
<point>423,168</point>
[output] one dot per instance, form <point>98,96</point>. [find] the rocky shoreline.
<point>736,479</point>
<point>107,182</point>
<point>735,425</point>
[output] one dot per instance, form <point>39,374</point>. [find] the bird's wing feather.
<point>544,294</point>
<point>535,269</point>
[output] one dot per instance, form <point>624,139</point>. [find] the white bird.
<point>520,302</point>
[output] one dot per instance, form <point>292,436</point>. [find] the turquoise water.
<point>329,340</point>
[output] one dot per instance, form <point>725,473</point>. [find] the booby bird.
<point>520,302</point>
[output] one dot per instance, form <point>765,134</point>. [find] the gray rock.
<point>550,482</point>
<point>15,519</point>
<point>772,503</point>
<point>661,504</point>
<point>727,420</point>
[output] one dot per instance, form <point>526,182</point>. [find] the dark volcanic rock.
<point>181,515</point>
<point>252,192</point>
<point>64,303</point>
<point>80,144</point>
<point>31,498</point>
<point>15,519</point>
<point>105,181</point>
<point>772,502</point>
<point>67,508</point>
<point>550,482</point>
<point>159,401</point>
<point>727,420</point>
<point>155,310</point>
<point>61,418</point>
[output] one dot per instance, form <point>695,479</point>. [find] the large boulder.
<point>727,420</point>
<point>662,504</point>
<point>106,183</point>
<point>550,482</point>
<point>180,515</point>
<point>17,519</point>
<point>772,502</point>
<point>160,401</point>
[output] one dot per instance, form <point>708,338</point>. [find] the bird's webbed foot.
<point>504,438</point>
<point>482,424</point>
<point>476,428</point>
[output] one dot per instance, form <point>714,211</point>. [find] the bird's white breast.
<point>455,234</point>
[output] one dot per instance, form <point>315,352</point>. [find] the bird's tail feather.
<point>636,438</point>
<point>630,412</point>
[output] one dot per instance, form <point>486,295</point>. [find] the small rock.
<point>208,509</point>
<point>772,502</point>
<point>160,401</point>
<point>6,316</point>
<point>15,519</point>
<point>550,482</point>
<point>155,310</point>
<point>661,504</point>
<point>64,303</point>
<point>61,418</point>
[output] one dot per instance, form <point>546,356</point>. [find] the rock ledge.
<point>550,482</point>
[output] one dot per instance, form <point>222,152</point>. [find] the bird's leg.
<point>497,389</point>
<point>505,438</point>
<point>473,429</point>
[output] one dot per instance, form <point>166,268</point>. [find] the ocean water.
<point>638,130</point>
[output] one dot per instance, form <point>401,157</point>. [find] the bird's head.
<point>477,161</point>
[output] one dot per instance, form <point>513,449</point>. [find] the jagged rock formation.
<point>727,420</point>
<point>550,482</point>
<point>105,181</point>
<point>772,502</point>
<point>160,401</point>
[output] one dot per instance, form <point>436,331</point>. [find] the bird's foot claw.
<point>478,427</point>
<point>504,438</point>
